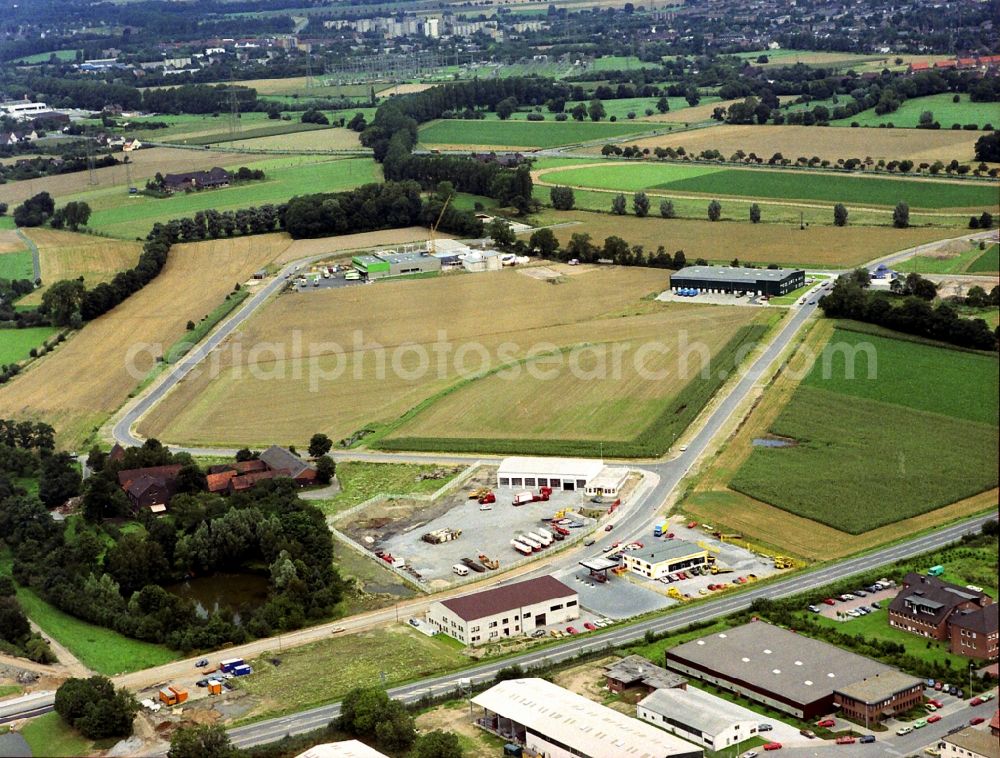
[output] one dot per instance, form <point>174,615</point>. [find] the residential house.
<point>150,487</point>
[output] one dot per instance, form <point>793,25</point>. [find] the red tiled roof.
<point>219,482</point>
<point>245,467</point>
<point>154,472</point>
<point>946,64</point>
<point>518,595</point>
<point>919,66</point>
<point>246,481</point>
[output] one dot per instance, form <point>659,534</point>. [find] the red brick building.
<point>926,606</point>
<point>974,633</point>
<point>883,695</point>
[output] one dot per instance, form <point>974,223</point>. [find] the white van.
<point>352,276</point>
<point>461,570</point>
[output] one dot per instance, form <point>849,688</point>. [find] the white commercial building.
<point>586,474</point>
<point>970,743</point>
<point>345,749</point>
<point>509,611</point>
<point>697,716</point>
<point>482,260</point>
<point>666,558</point>
<point>557,723</point>
<point>22,109</point>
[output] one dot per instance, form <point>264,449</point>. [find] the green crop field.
<point>989,261</point>
<point>778,185</point>
<point>62,55</point>
<point>52,737</point>
<point>122,216</point>
<point>524,134</point>
<point>869,452</point>
<point>360,481</point>
<point>16,265</point>
<point>16,344</point>
<point>638,105</point>
<point>945,113</point>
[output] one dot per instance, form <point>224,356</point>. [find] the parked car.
<point>589,626</point>
<point>202,663</point>
<point>934,718</point>
<point>809,733</point>
<point>609,527</point>
<point>825,723</point>
<point>877,605</point>
<point>202,682</point>
<point>750,754</point>
<point>920,723</point>
<point>764,727</point>
<point>860,593</point>
<point>588,543</point>
<point>814,608</point>
<point>931,750</point>
<point>976,701</point>
<point>571,630</point>
<point>904,730</point>
<point>538,633</point>
<point>953,690</point>
<point>829,601</point>
<point>960,694</point>
<point>987,696</point>
<point>845,740</point>
<point>867,739</point>
<point>931,707</point>
<point>976,720</point>
<point>772,746</point>
<point>936,703</point>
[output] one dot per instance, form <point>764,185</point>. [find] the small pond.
<point>233,591</point>
<point>774,442</point>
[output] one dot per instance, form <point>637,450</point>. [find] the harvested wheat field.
<point>317,139</point>
<point>67,255</point>
<point>10,242</point>
<point>145,164</point>
<point>76,387</point>
<point>351,242</point>
<point>428,329</point>
<point>820,246</point>
<point>920,145</point>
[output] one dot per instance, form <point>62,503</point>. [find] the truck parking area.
<point>459,527</point>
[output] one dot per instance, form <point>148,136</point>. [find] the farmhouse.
<point>388,263</point>
<point>880,696</point>
<point>727,279</point>
<point>697,716</point>
<point>664,559</point>
<point>774,666</point>
<point>941,610</point>
<point>509,611</point>
<point>273,463</point>
<point>635,671</point>
<point>587,474</point>
<point>150,487</point>
<point>194,180</point>
<point>549,720</point>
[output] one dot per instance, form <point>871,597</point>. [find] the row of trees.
<point>908,309</point>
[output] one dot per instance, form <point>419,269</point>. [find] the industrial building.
<point>509,611</point>
<point>730,280</point>
<point>697,716</point>
<point>870,700</point>
<point>551,721</point>
<point>667,558</point>
<point>635,671</point>
<point>587,474</point>
<point>479,261</point>
<point>780,668</point>
<point>389,263</point>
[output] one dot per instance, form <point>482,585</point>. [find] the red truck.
<point>523,498</point>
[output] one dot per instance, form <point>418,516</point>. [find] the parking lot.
<point>841,608</point>
<point>711,298</point>
<point>397,528</point>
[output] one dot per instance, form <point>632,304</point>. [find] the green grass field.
<point>16,265</point>
<point>945,113</point>
<point>128,217</point>
<point>872,452</point>
<point>780,185</point>
<point>989,261</point>
<point>360,481</point>
<point>50,736</point>
<point>16,344</point>
<point>6,222</point>
<point>525,134</point>
<point>62,55</point>
<point>951,264</point>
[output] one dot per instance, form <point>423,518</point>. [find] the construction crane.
<point>432,244</point>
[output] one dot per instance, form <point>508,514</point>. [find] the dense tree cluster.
<point>95,708</point>
<point>509,187</point>
<point>907,310</point>
<point>35,211</point>
<point>16,637</point>
<point>117,580</point>
<point>544,243</point>
<point>370,713</point>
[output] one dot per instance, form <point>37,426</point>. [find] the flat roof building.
<point>509,611</point>
<point>345,749</point>
<point>780,668</point>
<point>697,716</point>
<point>555,722</point>
<point>728,279</point>
<point>667,558</point>
<point>389,263</point>
<point>970,743</point>
<point>881,696</point>
<point>634,670</point>
<point>587,474</point>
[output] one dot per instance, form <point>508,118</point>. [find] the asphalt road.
<point>274,729</point>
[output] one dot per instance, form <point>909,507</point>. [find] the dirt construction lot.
<point>370,354</point>
<point>828,143</point>
<point>76,387</point>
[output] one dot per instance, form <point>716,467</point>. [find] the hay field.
<point>145,164</point>
<point>820,246</point>
<point>594,397</point>
<point>921,145</point>
<point>484,309</point>
<point>319,139</point>
<point>67,255</point>
<point>79,385</point>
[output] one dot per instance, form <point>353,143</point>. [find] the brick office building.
<point>974,633</point>
<point>886,694</point>
<point>944,611</point>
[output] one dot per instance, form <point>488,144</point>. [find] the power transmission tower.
<point>234,108</point>
<point>309,70</point>
<point>128,175</point>
<point>91,168</point>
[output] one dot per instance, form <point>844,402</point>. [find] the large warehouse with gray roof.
<point>729,279</point>
<point>785,670</point>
